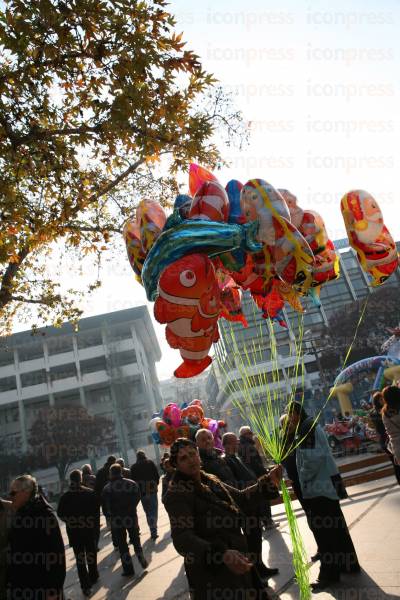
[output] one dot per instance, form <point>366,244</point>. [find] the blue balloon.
<point>195,236</point>
<point>233,189</point>
<point>156,437</point>
<point>182,203</point>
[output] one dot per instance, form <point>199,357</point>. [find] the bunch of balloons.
<point>174,422</point>
<point>220,241</point>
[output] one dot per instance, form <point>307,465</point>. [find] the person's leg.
<point>126,559</point>
<point>91,557</point>
<point>80,557</point>
<point>347,558</point>
<point>254,544</point>
<point>321,515</point>
<point>150,507</point>
<point>134,538</point>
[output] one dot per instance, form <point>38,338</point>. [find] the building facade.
<point>107,366</point>
<point>352,285</point>
<point>185,390</point>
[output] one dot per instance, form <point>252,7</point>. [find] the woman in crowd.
<point>206,517</point>
<point>391,419</point>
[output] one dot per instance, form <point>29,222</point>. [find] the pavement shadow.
<point>359,587</point>
<point>178,587</point>
<point>151,547</point>
<point>278,553</point>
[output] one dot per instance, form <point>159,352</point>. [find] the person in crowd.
<point>166,478</point>
<point>88,479</point>
<point>120,498</point>
<point>5,524</point>
<point>211,457</point>
<point>317,473</point>
<point>125,472</point>
<point>206,519</point>
<point>251,457</point>
<point>244,477</point>
<point>391,419</point>
<point>34,534</point>
<point>102,478</point>
<point>165,457</point>
<point>288,433</point>
<point>79,509</point>
<point>375,418</point>
<point>145,473</point>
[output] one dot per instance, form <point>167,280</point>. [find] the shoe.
<point>142,560</point>
<point>316,557</point>
<point>322,584</point>
<point>86,591</point>
<point>266,573</point>
<point>129,573</point>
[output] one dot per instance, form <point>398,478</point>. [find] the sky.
<point>318,82</point>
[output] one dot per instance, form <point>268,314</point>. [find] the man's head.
<point>75,477</point>
<point>22,489</point>
<point>295,414</point>
<point>230,443</point>
<point>111,460</point>
<point>115,471</point>
<point>141,455</point>
<point>86,469</point>
<point>246,432</point>
<point>204,439</point>
<point>120,461</point>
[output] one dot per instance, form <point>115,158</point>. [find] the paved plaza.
<point>372,512</point>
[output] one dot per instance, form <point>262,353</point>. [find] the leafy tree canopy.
<point>65,434</point>
<point>95,95</point>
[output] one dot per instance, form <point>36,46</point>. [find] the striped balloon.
<point>210,203</point>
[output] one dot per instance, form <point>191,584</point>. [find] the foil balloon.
<point>167,434</point>
<point>197,176</point>
<point>184,237</point>
<point>151,218</point>
<point>292,257</point>
<point>231,303</point>
<point>182,203</point>
<point>210,202</point>
<point>233,189</point>
<point>311,225</point>
<point>136,255</point>
<point>369,236</point>
<point>172,414</point>
<point>189,302</point>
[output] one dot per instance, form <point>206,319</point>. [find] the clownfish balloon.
<point>189,303</point>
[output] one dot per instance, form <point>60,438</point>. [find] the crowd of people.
<point>218,503</point>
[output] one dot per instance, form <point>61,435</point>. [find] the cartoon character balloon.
<point>197,176</point>
<point>189,302</point>
<point>210,202</point>
<point>368,235</point>
<point>136,254</point>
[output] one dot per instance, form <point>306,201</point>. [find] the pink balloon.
<point>172,414</point>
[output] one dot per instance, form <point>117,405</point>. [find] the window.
<point>87,339</point>
<point>99,396</point>
<point>33,378</point>
<point>92,365</point>
<point>63,371</point>
<point>6,357</point>
<point>8,383</point>
<point>30,351</point>
<point>58,345</point>
<point>311,367</point>
<point>119,332</point>
<point>123,358</point>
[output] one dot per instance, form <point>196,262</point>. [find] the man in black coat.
<point>145,473</point>
<point>244,477</point>
<point>120,498</point>
<point>211,458</point>
<point>79,509</point>
<point>102,478</point>
<point>252,459</point>
<point>36,564</point>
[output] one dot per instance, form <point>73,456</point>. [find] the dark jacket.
<point>89,480</point>
<point>250,456</point>
<point>79,509</point>
<point>206,521</point>
<point>243,476</point>
<point>120,498</point>
<point>102,478</point>
<point>145,473</point>
<point>165,479</point>
<point>5,524</point>
<point>37,555</point>
<point>213,463</point>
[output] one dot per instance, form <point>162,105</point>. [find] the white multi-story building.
<point>107,366</point>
